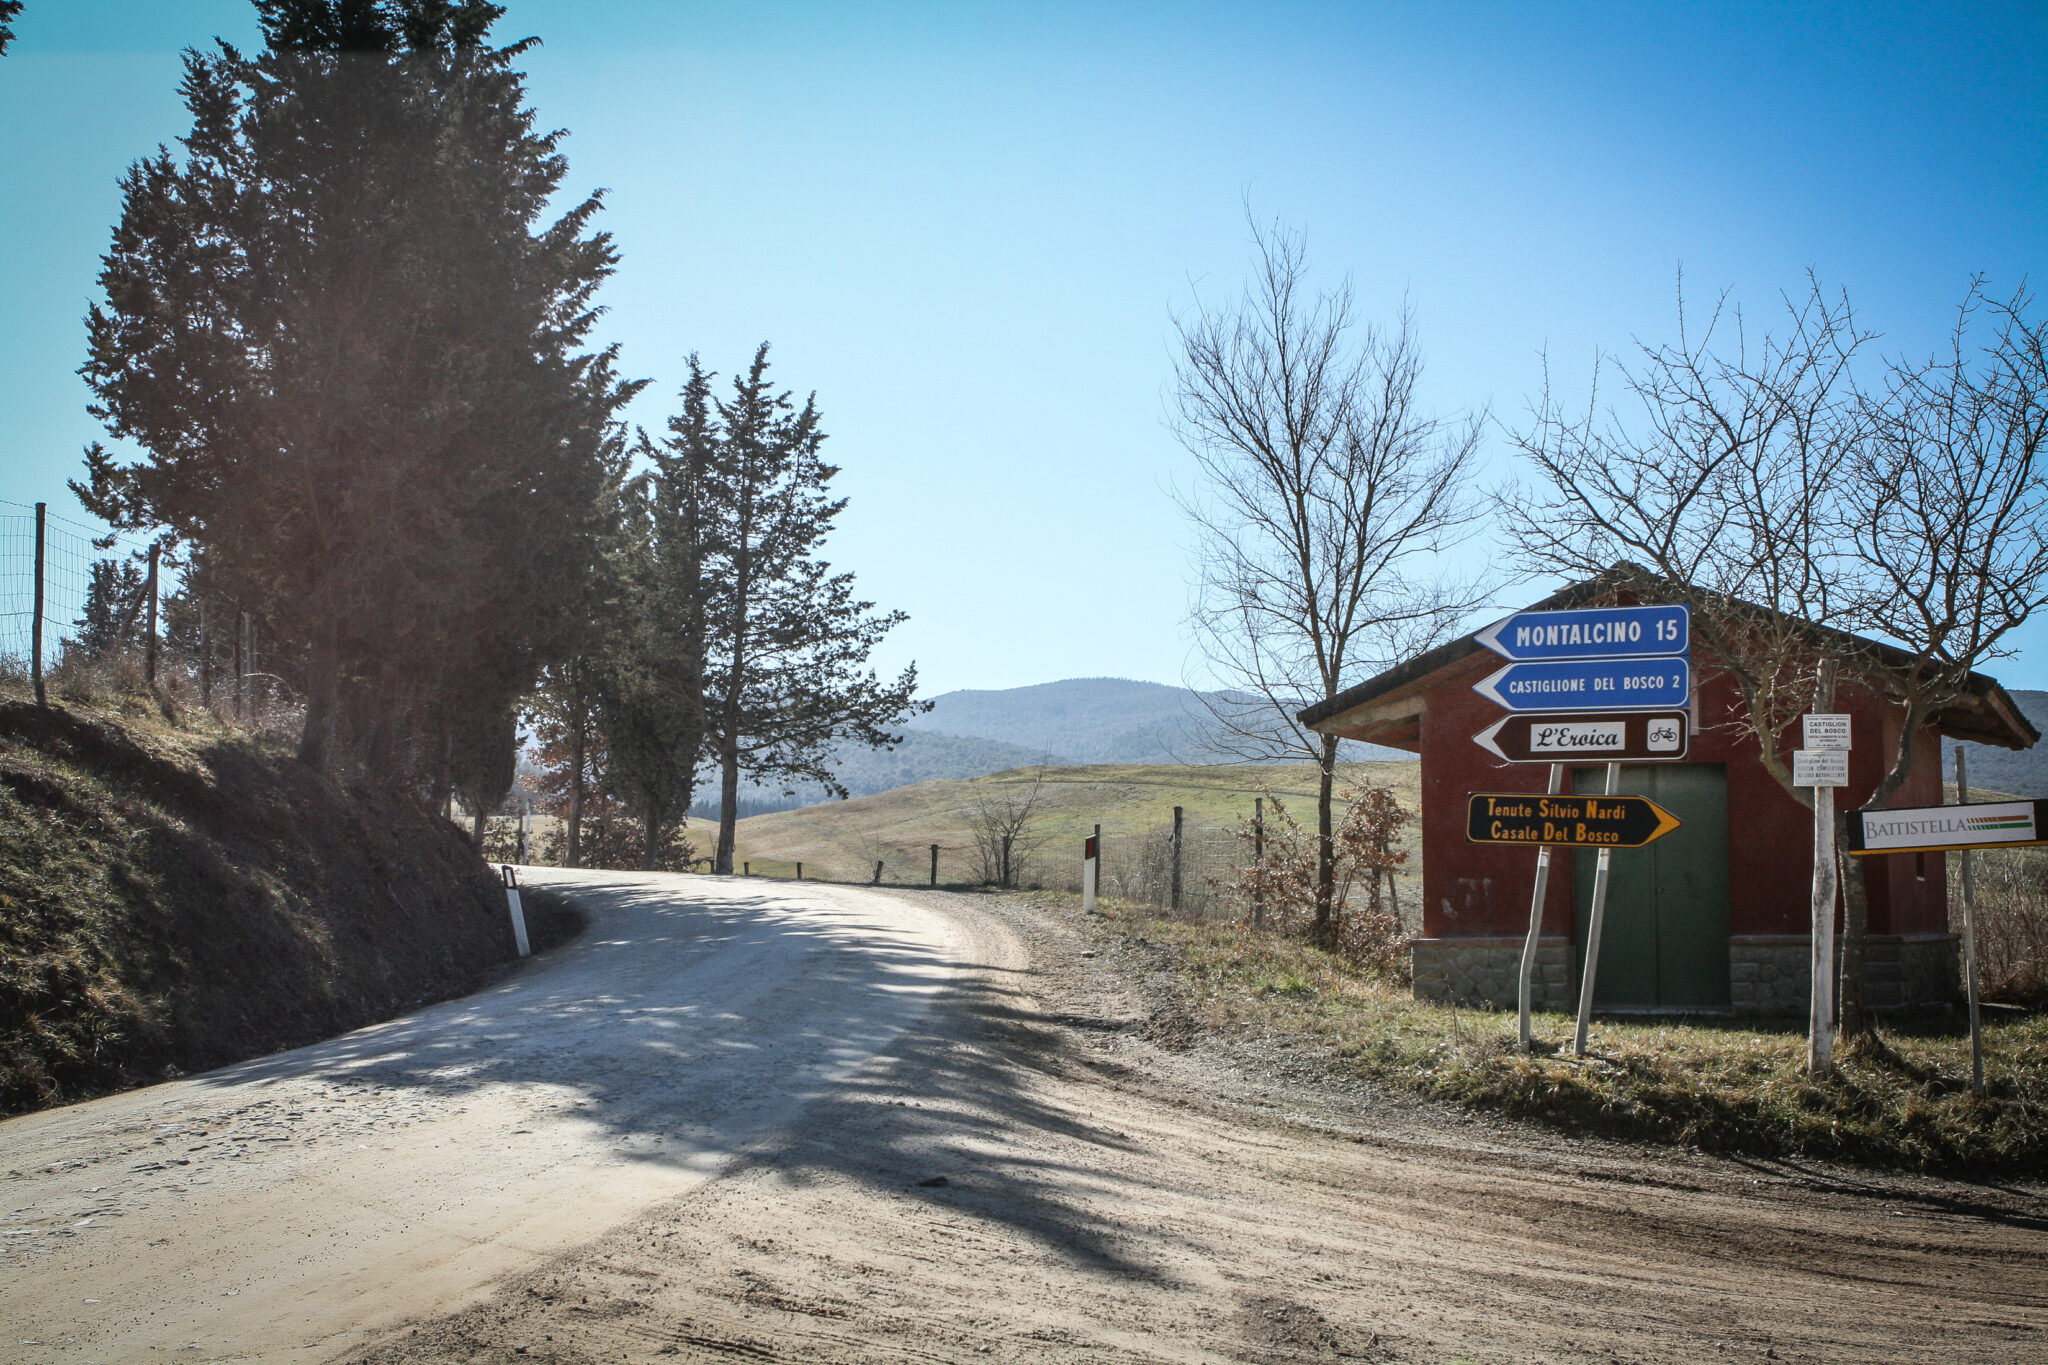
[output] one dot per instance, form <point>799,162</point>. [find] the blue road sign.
<point>1591,633</point>
<point>1590,685</point>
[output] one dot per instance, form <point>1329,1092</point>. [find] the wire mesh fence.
<point>1202,880</point>
<point>69,552</point>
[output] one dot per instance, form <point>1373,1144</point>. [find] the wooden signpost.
<point>1626,675</point>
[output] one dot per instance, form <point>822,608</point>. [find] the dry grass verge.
<point>1732,1086</point>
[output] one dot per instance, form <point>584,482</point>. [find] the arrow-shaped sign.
<point>1612,736</point>
<point>1571,821</point>
<point>1591,685</point>
<point>1591,633</point>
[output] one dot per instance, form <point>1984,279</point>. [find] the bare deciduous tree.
<point>1948,527</point>
<point>1000,821</point>
<point>1326,493</point>
<point>1756,481</point>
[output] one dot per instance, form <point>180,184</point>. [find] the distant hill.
<point>923,756</point>
<point>1096,720</point>
<point>972,733</point>
<point>2021,772</point>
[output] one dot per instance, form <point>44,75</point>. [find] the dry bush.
<point>1280,883</point>
<point>2012,922</point>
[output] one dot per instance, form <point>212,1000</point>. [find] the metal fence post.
<point>35,647</point>
<point>1970,942</point>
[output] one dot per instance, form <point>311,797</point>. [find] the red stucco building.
<point>1714,916</point>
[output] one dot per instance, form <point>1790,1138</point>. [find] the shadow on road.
<point>703,1021</point>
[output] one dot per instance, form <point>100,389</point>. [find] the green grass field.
<point>842,840</point>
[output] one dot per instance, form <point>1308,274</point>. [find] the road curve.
<point>295,1205</point>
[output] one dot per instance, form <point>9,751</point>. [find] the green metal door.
<point>1665,941</point>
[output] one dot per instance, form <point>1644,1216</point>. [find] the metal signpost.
<point>1970,940</point>
<point>1625,675</point>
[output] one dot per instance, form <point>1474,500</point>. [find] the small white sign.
<point>1820,767</point>
<point>1825,730</point>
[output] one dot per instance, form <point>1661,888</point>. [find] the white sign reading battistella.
<point>1989,822</point>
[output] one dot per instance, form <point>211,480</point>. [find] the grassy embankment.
<point>1735,1086</point>
<point>842,840</point>
<point>176,895</point>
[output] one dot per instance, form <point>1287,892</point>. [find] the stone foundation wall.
<point>1768,974</point>
<point>1486,972</point>
<point>1912,969</point>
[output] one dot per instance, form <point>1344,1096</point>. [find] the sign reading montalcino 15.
<point>1936,829</point>
<point>1590,633</point>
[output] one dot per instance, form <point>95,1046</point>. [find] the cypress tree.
<point>350,349</point>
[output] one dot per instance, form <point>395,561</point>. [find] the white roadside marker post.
<point>1970,942</point>
<point>518,912</point>
<point>1593,928</point>
<point>1091,863</point>
<point>1536,917</point>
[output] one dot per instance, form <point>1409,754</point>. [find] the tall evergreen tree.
<point>785,674</point>
<point>349,346</point>
<point>650,674</point>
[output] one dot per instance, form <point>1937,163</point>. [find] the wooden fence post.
<point>1259,860</point>
<point>35,645</point>
<point>149,621</point>
<point>935,864</point>
<point>1173,897</point>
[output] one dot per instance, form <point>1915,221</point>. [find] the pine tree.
<point>111,618</point>
<point>785,675</point>
<point>349,345</point>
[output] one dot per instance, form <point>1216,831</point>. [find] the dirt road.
<point>736,1122</point>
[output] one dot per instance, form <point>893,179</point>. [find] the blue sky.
<point>968,228</point>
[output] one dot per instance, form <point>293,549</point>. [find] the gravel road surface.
<point>738,1120</point>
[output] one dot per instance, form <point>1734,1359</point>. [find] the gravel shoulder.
<point>1053,1164</point>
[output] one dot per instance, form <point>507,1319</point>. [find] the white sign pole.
<point>1823,764</point>
<point>1536,916</point>
<point>1970,942</point>
<point>1593,928</point>
<point>1820,1023</point>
